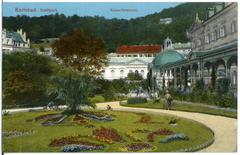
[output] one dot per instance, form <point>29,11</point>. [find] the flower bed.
<point>141,131</point>
<point>138,146</point>
<point>15,133</point>
<point>95,117</point>
<point>174,137</point>
<point>54,121</point>
<point>130,135</point>
<point>144,119</point>
<point>82,121</point>
<point>79,148</point>
<point>70,140</point>
<point>47,116</point>
<point>151,135</point>
<point>98,114</point>
<point>107,135</point>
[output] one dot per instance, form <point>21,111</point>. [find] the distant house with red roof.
<point>130,58</point>
<point>138,50</point>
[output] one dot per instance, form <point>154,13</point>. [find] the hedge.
<point>136,100</point>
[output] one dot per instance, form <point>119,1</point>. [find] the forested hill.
<point>115,32</point>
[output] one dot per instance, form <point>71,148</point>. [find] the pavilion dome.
<point>167,56</point>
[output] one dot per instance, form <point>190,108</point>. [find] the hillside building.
<point>15,41</point>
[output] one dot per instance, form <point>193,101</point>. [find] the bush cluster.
<point>136,100</point>
<point>218,96</point>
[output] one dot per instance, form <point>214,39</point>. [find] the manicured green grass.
<point>123,122</point>
<point>186,107</point>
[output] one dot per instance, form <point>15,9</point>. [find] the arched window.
<point>223,31</point>
<point>121,72</point>
<point>207,38</point>
<point>233,26</point>
<point>112,71</point>
<point>136,71</point>
<point>216,34</point>
<point>234,78</point>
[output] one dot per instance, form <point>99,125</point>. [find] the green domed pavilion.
<point>166,57</point>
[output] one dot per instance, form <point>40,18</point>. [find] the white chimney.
<point>28,42</point>
<point>24,36</point>
<point>20,31</point>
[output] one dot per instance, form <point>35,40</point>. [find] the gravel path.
<point>224,128</point>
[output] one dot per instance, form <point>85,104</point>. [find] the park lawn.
<point>185,107</point>
<point>123,122</point>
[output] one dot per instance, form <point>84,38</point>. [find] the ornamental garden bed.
<point>108,135</point>
<point>121,135</point>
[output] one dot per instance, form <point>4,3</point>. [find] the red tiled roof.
<point>125,49</point>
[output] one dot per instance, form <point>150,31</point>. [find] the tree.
<point>120,86</point>
<point>22,71</point>
<point>74,90</point>
<point>82,51</point>
<point>20,90</point>
<point>134,77</point>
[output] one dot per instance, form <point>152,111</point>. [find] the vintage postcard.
<point>119,77</point>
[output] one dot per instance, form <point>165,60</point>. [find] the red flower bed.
<point>151,135</point>
<point>79,119</point>
<point>82,121</point>
<point>163,132</point>
<point>107,135</point>
<point>144,119</point>
<point>70,140</point>
<point>138,146</point>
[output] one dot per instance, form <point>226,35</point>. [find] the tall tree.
<point>73,90</point>
<point>82,51</point>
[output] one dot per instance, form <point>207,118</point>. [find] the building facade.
<point>130,59</point>
<point>213,55</point>
<point>183,48</point>
<point>14,41</point>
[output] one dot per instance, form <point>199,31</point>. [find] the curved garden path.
<point>224,128</point>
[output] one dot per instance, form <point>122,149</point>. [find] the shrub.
<point>199,85</point>
<point>109,94</point>
<point>223,85</point>
<point>226,101</point>
<point>136,100</point>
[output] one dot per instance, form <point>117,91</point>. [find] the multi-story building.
<point>128,59</point>
<point>213,55</point>
<point>15,41</point>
